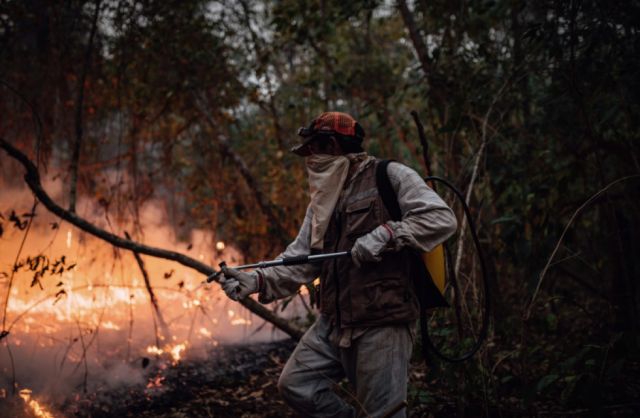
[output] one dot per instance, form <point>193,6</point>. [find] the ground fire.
<point>87,325</point>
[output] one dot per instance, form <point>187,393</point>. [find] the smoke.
<point>87,321</point>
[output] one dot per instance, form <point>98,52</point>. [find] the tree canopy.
<point>531,107</point>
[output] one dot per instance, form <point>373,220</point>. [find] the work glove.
<point>237,284</point>
<point>367,248</point>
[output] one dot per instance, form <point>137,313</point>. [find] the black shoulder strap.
<point>386,191</point>
<point>425,289</point>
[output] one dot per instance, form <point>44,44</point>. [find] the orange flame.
<point>37,409</point>
<point>101,292</point>
<point>175,351</point>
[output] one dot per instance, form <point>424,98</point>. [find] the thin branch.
<point>527,314</point>
<point>84,357</point>
<point>32,178</point>
<point>80,111</point>
<point>13,366</point>
<point>416,38</point>
<point>152,296</point>
<point>425,144</point>
<point>13,269</point>
<point>474,174</point>
<point>265,206</point>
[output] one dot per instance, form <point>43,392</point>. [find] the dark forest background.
<point>531,107</point>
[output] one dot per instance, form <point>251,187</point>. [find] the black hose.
<point>485,280</point>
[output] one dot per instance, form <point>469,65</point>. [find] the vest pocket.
<point>384,297</point>
<point>362,217</point>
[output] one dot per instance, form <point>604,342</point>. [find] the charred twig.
<point>13,366</point>
<point>72,341</point>
<point>13,270</point>
<point>32,178</point>
<point>84,358</point>
<point>258,329</point>
<point>152,296</point>
<point>86,346</point>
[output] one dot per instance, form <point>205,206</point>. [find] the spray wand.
<point>286,261</point>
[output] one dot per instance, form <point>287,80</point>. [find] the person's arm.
<point>426,219</point>
<point>282,281</point>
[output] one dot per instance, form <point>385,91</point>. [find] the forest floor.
<point>235,381</point>
<point>241,381</point>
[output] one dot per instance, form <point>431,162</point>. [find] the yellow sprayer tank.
<point>434,261</point>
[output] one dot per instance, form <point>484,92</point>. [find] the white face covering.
<point>327,174</point>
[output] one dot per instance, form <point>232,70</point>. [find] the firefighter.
<point>368,304</point>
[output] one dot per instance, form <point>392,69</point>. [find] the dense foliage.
<point>196,103</point>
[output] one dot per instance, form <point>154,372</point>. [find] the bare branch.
<point>32,178</point>
<point>474,174</point>
<point>527,314</point>
<point>152,295</point>
<point>80,110</point>
<point>416,38</point>
<point>263,202</point>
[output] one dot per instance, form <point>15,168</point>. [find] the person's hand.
<point>237,284</point>
<point>367,248</point>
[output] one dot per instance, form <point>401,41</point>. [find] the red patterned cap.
<point>331,123</point>
<point>334,123</point>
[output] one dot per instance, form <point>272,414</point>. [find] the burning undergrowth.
<point>233,381</point>
<point>78,320</point>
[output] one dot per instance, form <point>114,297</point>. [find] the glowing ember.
<point>240,321</point>
<point>176,350</point>
<point>205,332</point>
<point>110,325</point>
<point>155,382</point>
<point>191,303</point>
<point>220,246</point>
<point>152,349</point>
<point>37,409</point>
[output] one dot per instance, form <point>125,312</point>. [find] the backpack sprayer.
<point>438,266</point>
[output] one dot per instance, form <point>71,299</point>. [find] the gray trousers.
<point>376,364</point>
